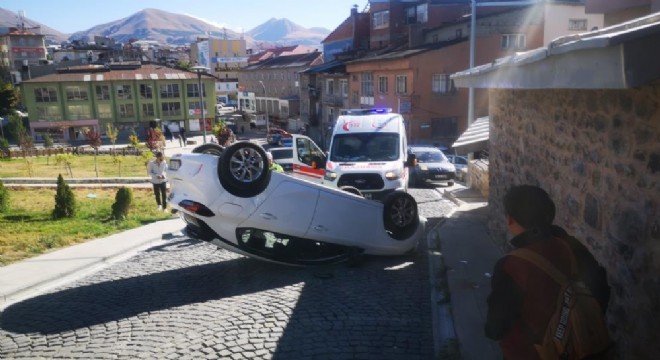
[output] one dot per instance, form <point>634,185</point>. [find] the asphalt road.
<point>188,300</point>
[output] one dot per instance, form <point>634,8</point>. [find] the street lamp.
<point>266,106</point>
<point>201,70</point>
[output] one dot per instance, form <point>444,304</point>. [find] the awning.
<point>475,137</point>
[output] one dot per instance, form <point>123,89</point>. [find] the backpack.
<point>577,328</point>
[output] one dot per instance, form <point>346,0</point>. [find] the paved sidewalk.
<point>29,277</point>
<point>469,256</point>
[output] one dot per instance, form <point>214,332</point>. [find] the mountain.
<point>285,32</point>
<point>9,18</point>
<point>153,24</point>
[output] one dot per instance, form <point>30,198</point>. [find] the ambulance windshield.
<point>362,147</point>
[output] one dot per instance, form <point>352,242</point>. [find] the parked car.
<point>229,198</point>
<point>461,165</point>
<point>284,157</point>
<point>432,167</point>
<point>275,135</point>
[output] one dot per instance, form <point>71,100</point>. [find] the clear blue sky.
<point>69,16</point>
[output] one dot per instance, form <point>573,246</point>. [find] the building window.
<point>76,93</point>
<point>126,111</point>
<point>148,110</point>
<point>381,20</point>
<point>513,41</point>
<point>169,91</point>
<point>124,92</point>
<point>146,91</point>
<point>356,98</point>
<point>78,112</point>
<point>577,24</point>
<point>343,87</point>
<point>330,87</point>
<point>442,84</point>
<point>367,84</point>
<point>444,128</point>
<point>417,14</point>
<point>171,109</point>
<point>382,84</point>
<point>49,112</point>
<point>401,84</point>
<point>104,111</point>
<point>192,90</point>
<point>102,92</point>
<point>46,94</point>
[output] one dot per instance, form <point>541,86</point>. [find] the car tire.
<point>243,169</point>
<point>352,190</point>
<point>450,183</point>
<point>211,149</point>
<point>400,215</point>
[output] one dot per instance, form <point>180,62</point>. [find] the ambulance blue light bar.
<point>366,111</point>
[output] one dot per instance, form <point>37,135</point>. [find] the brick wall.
<point>597,152</point>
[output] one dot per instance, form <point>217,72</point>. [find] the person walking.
<point>157,171</point>
<point>272,165</point>
<point>182,137</point>
<point>523,297</point>
<point>168,133</point>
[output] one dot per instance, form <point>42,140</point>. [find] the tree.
<point>94,140</point>
<point>20,133</point>
<point>224,134</point>
<point>65,200</point>
<point>122,204</point>
<point>48,143</point>
<point>112,133</point>
<point>8,98</point>
<point>155,139</point>
<point>4,198</point>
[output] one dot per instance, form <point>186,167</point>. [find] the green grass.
<point>29,230</point>
<point>82,166</point>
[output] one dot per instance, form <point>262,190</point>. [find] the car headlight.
<point>393,175</point>
<point>423,167</point>
<point>330,175</point>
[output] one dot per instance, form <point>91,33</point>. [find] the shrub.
<point>4,198</point>
<point>122,205</point>
<point>65,200</point>
<point>4,144</point>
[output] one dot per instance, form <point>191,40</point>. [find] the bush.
<point>65,200</point>
<point>123,200</point>
<point>4,198</point>
<point>4,144</point>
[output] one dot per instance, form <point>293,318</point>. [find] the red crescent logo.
<point>345,126</point>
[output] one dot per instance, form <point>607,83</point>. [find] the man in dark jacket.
<point>523,297</point>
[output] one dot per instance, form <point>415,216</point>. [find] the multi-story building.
<point>273,87</point>
<point>408,69</point>
<point>618,11</point>
<point>20,49</point>
<point>127,95</point>
<point>224,58</point>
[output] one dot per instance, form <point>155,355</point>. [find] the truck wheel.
<point>400,215</point>
<point>243,169</point>
<point>211,149</point>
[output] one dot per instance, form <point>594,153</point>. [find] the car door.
<point>308,159</point>
<point>342,218</point>
<point>287,210</point>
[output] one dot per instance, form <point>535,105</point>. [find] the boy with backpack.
<point>549,295</point>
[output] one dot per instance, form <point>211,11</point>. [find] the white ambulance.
<point>368,153</point>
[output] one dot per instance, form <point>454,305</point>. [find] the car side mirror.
<point>411,161</point>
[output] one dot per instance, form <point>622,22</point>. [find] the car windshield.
<point>359,147</point>
<point>429,156</point>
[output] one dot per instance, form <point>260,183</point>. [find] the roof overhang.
<point>618,57</point>
<point>475,137</point>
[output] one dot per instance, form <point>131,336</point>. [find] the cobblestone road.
<point>187,300</point>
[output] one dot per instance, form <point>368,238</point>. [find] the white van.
<point>368,153</point>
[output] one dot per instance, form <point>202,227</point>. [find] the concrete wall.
<point>558,16</point>
<point>597,152</point>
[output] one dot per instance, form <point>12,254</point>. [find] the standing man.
<point>182,136</point>
<point>157,170</point>
<point>523,297</point>
<point>273,166</point>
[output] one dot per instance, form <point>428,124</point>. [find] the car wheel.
<point>211,149</point>
<point>450,183</point>
<point>400,215</point>
<point>243,169</point>
<point>351,189</point>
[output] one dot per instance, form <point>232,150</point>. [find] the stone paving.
<point>188,300</point>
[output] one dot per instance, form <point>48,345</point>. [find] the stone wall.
<point>478,176</point>
<point>597,152</point>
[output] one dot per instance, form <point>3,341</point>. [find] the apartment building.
<point>126,95</point>
<point>224,58</point>
<point>273,87</point>
<point>618,11</point>
<point>20,49</point>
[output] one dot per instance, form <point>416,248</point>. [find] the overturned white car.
<point>230,198</point>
